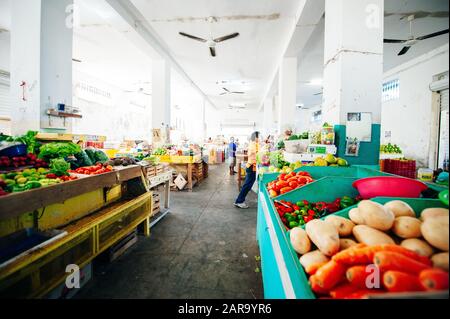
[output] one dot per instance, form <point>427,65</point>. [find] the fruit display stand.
<point>184,164</point>
<point>314,151</point>
<point>87,215</point>
<point>283,276</point>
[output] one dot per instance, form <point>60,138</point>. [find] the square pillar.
<point>287,93</point>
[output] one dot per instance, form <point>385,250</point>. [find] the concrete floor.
<point>205,248</point>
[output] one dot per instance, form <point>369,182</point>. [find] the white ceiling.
<point>106,53</point>
<point>311,61</point>
<point>245,62</point>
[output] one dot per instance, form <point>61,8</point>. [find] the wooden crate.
<point>156,204</point>
<point>123,245</point>
<point>150,171</point>
<point>205,170</point>
<point>197,172</point>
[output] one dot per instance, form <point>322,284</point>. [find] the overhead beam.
<point>308,17</point>
<point>134,18</point>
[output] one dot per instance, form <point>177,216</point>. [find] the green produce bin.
<point>283,275</point>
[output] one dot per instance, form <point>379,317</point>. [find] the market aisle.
<point>205,248</point>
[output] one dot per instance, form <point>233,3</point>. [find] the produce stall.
<point>62,205</point>
<point>184,160</point>
<point>295,225</point>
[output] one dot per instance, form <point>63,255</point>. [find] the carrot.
<point>315,286</point>
<point>343,290</point>
<point>357,276</point>
<point>364,293</point>
<point>364,255</point>
<point>406,252</point>
<point>434,279</point>
<point>346,255</point>
<point>397,281</point>
<point>330,274</point>
<point>312,269</point>
<point>389,260</point>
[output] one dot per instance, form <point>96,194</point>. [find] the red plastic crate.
<point>405,168</point>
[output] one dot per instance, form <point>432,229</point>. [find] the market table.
<point>79,220</point>
<point>187,162</point>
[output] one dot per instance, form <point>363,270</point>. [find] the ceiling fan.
<point>139,91</point>
<point>226,92</point>
<point>211,43</point>
<point>412,39</point>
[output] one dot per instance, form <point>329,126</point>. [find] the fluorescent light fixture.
<point>316,82</point>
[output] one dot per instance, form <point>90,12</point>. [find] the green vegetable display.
<point>100,156</point>
<point>160,151</point>
<point>58,150</point>
<point>29,139</point>
<point>59,167</point>
<point>82,160</point>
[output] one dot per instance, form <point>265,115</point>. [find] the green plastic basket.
<point>417,204</point>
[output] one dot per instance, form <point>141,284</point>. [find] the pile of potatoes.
<point>374,224</point>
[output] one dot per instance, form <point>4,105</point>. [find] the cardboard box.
<point>180,182</point>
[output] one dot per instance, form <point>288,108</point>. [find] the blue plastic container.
<point>14,151</point>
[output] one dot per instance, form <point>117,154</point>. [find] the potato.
<point>299,240</point>
<point>440,260</point>
<point>376,215</point>
<point>355,216</point>
<point>400,208</point>
<point>371,236</point>
<point>419,246</point>
<point>345,243</point>
<point>324,235</point>
<point>407,227</point>
<point>313,257</point>
<point>435,231</point>
<point>433,212</point>
<point>343,225</point>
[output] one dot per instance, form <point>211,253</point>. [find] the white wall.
<point>215,119</point>
<point>304,121</point>
<point>409,117</point>
<point>120,120</point>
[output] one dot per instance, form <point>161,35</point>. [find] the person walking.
<point>232,148</point>
<point>250,171</point>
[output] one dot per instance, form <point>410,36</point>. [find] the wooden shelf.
<point>16,204</point>
<point>64,114</point>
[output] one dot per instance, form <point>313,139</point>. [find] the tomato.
<point>292,179</point>
<point>284,190</point>
<point>282,184</point>
<point>282,177</point>
<point>294,185</point>
<point>303,174</point>
<point>273,193</point>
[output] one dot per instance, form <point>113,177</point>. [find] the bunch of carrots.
<point>397,269</point>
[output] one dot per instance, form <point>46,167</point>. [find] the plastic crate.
<point>299,280</point>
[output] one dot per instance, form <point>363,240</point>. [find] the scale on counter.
<point>313,152</point>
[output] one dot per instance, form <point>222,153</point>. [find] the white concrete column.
<point>268,116</point>
<point>287,92</point>
<point>204,125</point>
<point>41,59</point>
<point>161,96</point>
<point>353,69</point>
